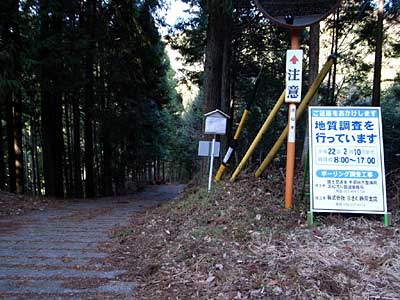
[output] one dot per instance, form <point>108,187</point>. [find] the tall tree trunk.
<point>226,61</point>
<point>333,95</point>
<point>314,68</point>
<point>78,191</point>
<point>96,162</point>
<point>68,156</point>
<point>106,137</point>
<point>232,102</point>
<point>10,144</point>
<point>226,77</point>
<point>333,39</point>
<point>19,156</point>
<point>35,158</point>
<point>376,93</point>
<point>2,165</point>
<point>217,12</point>
<point>163,171</point>
<point>107,164</point>
<point>32,142</point>
<point>51,107</point>
<point>89,101</point>
<point>52,150</point>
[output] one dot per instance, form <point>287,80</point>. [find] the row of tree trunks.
<point>66,91</point>
<point>13,105</point>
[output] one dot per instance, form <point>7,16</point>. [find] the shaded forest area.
<point>88,101</point>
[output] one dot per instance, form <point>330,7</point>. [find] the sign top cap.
<point>217,113</point>
<point>297,13</point>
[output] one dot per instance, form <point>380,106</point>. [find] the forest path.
<point>52,254</point>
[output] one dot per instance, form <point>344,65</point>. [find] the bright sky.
<point>175,11</point>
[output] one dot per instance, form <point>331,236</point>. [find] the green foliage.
<point>391,125</point>
<point>390,106</point>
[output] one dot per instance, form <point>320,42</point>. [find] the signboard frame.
<point>295,22</point>
<point>337,160</point>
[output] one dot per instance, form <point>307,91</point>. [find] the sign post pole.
<point>215,123</point>
<point>292,92</point>
<point>211,164</point>
<point>290,156</point>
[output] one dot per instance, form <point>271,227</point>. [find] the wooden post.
<point>291,141</point>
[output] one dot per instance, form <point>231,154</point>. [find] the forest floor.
<point>60,252</point>
<point>240,243</point>
<point>16,205</point>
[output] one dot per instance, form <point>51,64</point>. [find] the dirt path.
<point>52,254</point>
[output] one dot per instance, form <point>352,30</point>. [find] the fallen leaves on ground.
<point>13,205</point>
<point>240,243</point>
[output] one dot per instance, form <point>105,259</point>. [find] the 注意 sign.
<point>294,75</point>
<point>347,166</point>
<point>296,13</point>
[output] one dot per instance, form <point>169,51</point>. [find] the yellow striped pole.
<point>303,105</point>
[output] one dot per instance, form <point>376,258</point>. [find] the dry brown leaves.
<point>239,243</point>
<point>12,204</point>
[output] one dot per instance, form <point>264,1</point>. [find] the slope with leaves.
<point>240,243</point>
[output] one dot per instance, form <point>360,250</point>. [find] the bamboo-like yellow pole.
<point>241,124</point>
<point>220,172</point>
<point>232,146</point>
<point>307,98</point>
<point>259,136</point>
<point>223,167</point>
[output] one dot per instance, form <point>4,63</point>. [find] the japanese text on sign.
<point>347,172</point>
<point>294,71</point>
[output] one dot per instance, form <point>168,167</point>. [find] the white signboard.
<point>216,122</point>
<point>347,165</point>
<point>205,148</point>
<point>294,75</point>
<point>215,125</point>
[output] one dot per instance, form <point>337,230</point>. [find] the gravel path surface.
<point>52,254</point>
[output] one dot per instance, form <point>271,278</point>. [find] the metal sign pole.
<point>211,164</point>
